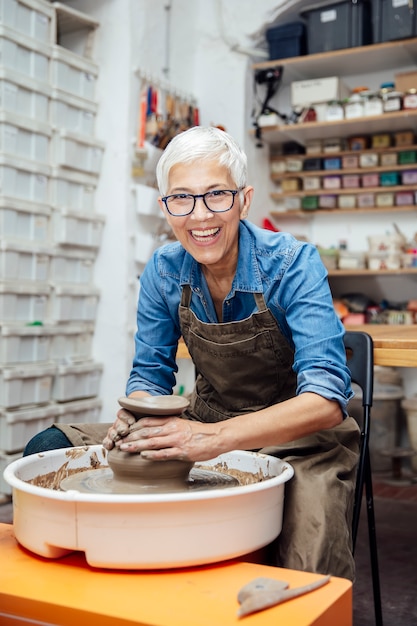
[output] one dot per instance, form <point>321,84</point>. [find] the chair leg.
<point>372,541</point>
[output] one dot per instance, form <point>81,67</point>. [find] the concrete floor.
<point>396,527</point>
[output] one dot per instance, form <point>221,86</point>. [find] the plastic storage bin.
<point>73,382</point>
<point>24,179</point>
<point>73,113</point>
<point>18,426</point>
<point>24,221</point>
<point>22,386</point>
<point>24,302</point>
<point>24,55</point>
<point>72,266</point>
<point>24,344</point>
<point>71,342</point>
<point>24,262</point>
<point>76,229</point>
<point>73,191</point>
<point>73,304</point>
<point>32,18</point>
<point>288,40</point>
<point>77,152</point>
<point>73,73</point>
<point>147,200</point>
<point>340,25</point>
<point>393,19</point>
<point>5,460</point>
<point>85,411</point>
<point>24,96</point>
<point>26,138</point>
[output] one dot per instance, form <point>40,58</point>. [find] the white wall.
<point>202,49</point>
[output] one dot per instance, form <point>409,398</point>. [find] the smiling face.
<point>211,238</point>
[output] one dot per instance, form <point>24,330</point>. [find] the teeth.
<point>204,233</point>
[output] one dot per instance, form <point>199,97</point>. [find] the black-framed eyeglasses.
<point>217,201</point>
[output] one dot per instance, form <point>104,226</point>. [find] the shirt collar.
<point>247,277</point>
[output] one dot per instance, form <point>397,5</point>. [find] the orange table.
<point>69,592</point>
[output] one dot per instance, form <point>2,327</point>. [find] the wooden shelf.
<point>308,131</point>
<point>340,192</point>
<point>360,60</point>
<point>342,153</point>
<point>343,172</point>
<point>306,214</point>
<point>371,273</point>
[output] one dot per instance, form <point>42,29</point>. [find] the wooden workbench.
<point>68,591</point>
<point>394,346</point>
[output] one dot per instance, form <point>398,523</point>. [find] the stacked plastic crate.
<point>50,233</point>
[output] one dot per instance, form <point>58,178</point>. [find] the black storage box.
<point>340,25</point>
<point>393,20</point>
<point>313,165</point>
<point>288,40</point>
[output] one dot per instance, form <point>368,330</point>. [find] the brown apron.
<point>246,366</point>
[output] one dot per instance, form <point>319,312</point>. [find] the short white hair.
<point>202,143</point>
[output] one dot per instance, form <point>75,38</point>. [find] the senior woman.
<point>255,311</point>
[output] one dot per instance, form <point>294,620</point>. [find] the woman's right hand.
<point>119,429</point>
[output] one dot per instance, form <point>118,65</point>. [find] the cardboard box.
<point>405,81</point>
<point>317,90</point>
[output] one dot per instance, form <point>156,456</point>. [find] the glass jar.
<point>410,99</point>
<point>334,111</point>
<point>354,106</point>
<point>372,104</point>
<point>392,101</point>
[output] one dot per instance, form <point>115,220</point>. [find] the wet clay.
<point>132,467</point>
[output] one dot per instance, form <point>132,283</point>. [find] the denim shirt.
<point>294,283</point>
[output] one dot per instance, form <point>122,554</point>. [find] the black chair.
<point>360,361</point>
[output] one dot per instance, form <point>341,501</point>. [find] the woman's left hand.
<point>169,438</point>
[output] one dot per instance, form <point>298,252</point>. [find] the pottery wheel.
<point>130,473</point>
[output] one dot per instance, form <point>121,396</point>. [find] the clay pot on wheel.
<point>128,466</point>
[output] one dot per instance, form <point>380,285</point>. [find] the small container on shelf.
<point>381,140</point>
<point>370,180</point>
<point>388,159</point>
<point>384,261</point>
<point>391,99</point>
<point>313,165</point>
<point>314,146</point>
<point>292,203</point>
<point>409,177</point>
<point>410,99</point>
<point>334,111</point>
<point>358,143</point>
<point>369,159</point>
<point>384,199</point>
<point>294,165</point>
<point>329,257</point>
<point>350,161</point>
<point>366,200</point>
<point>327,202</point>
<point>409,258</point>
<point>407,157</point>
<point>335,144</point>
<point>372,104</point>
<point>332,182</point>
<point>388,179</point>
<point>404,198</point>
<point>351,181</point>
<point>346,201</point>
<point>310,183</point>
<point>310,203</point>
<point>404,138</point>
<point>332,163</point>
<point>351,260</point>
<point>354,107</point>
<point>291,184</point>
<point>277,166</point>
